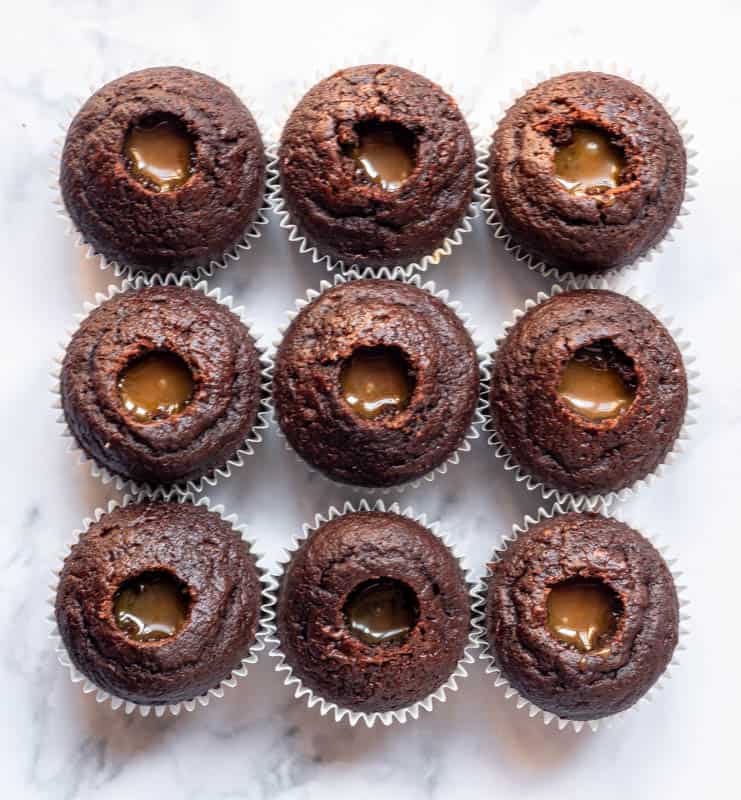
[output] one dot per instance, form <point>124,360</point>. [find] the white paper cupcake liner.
<point>314,251</point>
<point>521,475</point>
<point>485,653</point>
<point>158,710</point>
<point>236,460</point>
<point>482,356</point>
<point>300,690</point>
<point>253,230</point>
<point>488,208</point>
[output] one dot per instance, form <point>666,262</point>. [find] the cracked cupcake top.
<point>179,193</point>
<point>217,582</point>
<point>398,350</point>
<point>377,165</point>
<point>121,413</point>
<point>571,225</point>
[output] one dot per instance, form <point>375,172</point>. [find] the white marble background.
<point>55,743</point>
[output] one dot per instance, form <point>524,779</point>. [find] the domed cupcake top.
<point>587,171</point>
<point>161,384</point>
<point>588,392</point>
<point>158,602</point>
<point>163,170</point>
<point>377,165</point>
<point>373,612</point>
<point>376,382</point>
<point>581,615</point>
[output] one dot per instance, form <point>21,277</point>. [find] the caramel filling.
<point>375,380</point>
<point>589,161</point>
<point>381,611</point>
<point>159,155</point>
<point>385,153</point>
<point>157,385</point>
<point>583,613</point>
<point>594,392</point>
<point>151,606</point>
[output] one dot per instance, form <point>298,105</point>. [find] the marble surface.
<point>56,743</point>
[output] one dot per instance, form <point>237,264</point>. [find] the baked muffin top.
<point>158,602</point>
<point>587,171</point>
<point>121,413</point>
<point>373,612</point>
<point>582,615</point>
<point>377,165</point>
<point>588,392</point>
<point>376,382</point>
<point>163,170</point>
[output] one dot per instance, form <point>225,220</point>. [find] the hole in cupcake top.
<point>151,606</point>
<point>376,380</point>
<point>599,382</point>
<point>155,386</point>
<point>159,152</point>
<point>381,611</point>
<point>589,162</point>
<point>583,612</point>
<point>384,153</point>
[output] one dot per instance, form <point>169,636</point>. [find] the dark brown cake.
<point>127,219</point>
<point>345,556</point>
<point>216,574</point>
<point>586,550</point>
<point>402,443</point>
<point>545,435</point>
<point>206,339</point>
<point>604,227</point>
<point>337,205</point>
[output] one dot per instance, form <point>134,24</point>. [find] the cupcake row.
<point>160,606</point>
<point>376,384</point>
<point>165,171</point>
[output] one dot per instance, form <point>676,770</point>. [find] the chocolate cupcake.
<point>163,170</point>
<point>581,615</point>
<point>372,615</point>
<point>587,172</point>
<point>159,603</point>
<point>377,167</point>
<point>588,392</point>
<point>162,385</point>
<point>376,383</point>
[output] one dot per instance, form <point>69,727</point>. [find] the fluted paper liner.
<point>479,416</point>
<point>521,475</point>
<point>236,460</point>
<point>519,252</point>
<point>480,633</point>
<point>314,251</point>
<point>254,228</point>
<point>128,707</point>
<point>300,690</point>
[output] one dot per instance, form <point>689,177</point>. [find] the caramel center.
<point>157,385</point>
<point>589,161</point>
<point>159,155</point>
<point>596,393</point>
<point>151,606</point>
<point>385,153</point>
<point>582,613</point>
<point>383,610</point>
<point>374,380</point>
